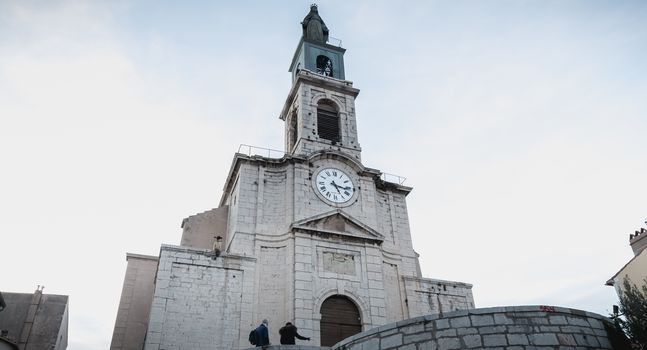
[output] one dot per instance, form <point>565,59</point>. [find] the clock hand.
<point>336,186</point>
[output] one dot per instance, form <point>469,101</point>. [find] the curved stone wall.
<point>509,328</point>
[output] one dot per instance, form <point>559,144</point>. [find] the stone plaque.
<point>339,263</point>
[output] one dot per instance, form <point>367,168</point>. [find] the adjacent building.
<point>315,237</point>
<point>33,321</point>
<point>636,269</point>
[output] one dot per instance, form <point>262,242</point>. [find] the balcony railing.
<point>397,179</point>
<point>260,151</point>
<point>334,41</point>
<point>249,150</point>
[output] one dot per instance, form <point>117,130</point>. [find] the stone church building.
<point>315,237</point>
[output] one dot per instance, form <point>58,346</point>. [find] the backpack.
<point>253,337</point>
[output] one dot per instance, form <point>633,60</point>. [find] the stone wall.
<point>135,302</point>
<point>510,328</point>
<point>427,296</point>
<point>200,230</point>
<point>198,301</point>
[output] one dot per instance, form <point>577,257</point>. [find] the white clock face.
<point>334,185</point>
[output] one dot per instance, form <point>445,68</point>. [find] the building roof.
<point>11,344</point>
<point>48,319</point>
<point>611,281</point>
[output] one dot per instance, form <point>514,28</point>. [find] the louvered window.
<point>328,123</point>
<point>293,130</point>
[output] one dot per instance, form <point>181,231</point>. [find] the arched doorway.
<point>340,319</point>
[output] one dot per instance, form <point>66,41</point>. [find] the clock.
<point>334,185</point>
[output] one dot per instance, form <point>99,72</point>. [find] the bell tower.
<point>314,237</point>
<point>319,112</point>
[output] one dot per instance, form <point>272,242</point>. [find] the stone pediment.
<point>337,222</point>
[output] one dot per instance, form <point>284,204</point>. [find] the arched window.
<point>328,121</point>
<point>324,66</point>
<point>340,319</point>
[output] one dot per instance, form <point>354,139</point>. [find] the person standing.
<point>288,332</point>
<point>262,334</point>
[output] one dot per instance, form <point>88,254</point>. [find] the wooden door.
<point>339,320</point>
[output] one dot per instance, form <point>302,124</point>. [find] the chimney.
<point>638,241</point>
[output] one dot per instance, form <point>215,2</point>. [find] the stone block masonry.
<point>199,301</point>
<point>503,328</point>
<point>517,327</point>
<point>134,305</point>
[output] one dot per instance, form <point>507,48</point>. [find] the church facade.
<point>315,237</point>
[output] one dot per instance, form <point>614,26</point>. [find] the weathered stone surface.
<point>604,343</point>
<point>492,329</point>
<point>595,323</point>
<point>460,322</point>
<point>495,340</point>
<point>502,319</point>
<point>586,340</point>
<point>442,324</point>
<point>448,344</point>
<point>408,347</point>
<point>414,328</point>
<point>391,341</point>
<point>430,345</point>
<point>373,343</point>
<point>464,331</point>
<point>472,341</point>
<point>557,320</point>
<point>482,320</point>
<point>446,333</point>
<point>543,339</point>
<point>576,321</point>
<point>418,337</point>
<point>510,336</point>
<point>519,329</point>
<point>517,339</point>
<point>566,339</point>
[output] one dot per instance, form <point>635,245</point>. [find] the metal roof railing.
<point>250,150</point>
<point>393,178</point>
<point>334,41</point>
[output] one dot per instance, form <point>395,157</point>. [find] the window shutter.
<point>328,125</point>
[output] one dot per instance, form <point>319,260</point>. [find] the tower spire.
<point>314,53</point>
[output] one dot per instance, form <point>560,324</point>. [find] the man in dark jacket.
<point>262,335</point>
<point>288,332</point>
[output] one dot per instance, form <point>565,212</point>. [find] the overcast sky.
<point>521,126</point>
